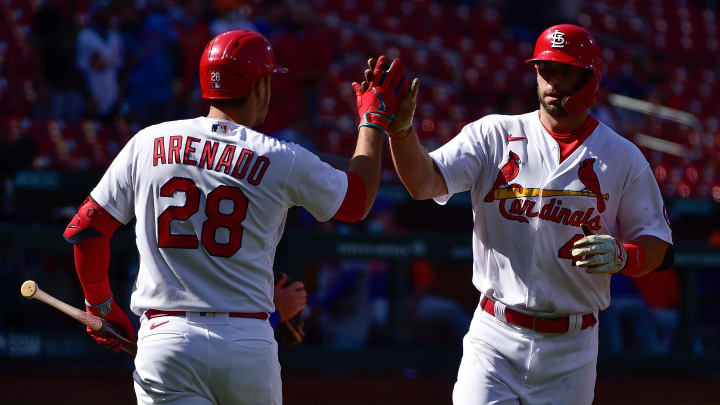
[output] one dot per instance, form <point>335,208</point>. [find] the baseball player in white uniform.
<point>210,196</point>
<point>534,180</point>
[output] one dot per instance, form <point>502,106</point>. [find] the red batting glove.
<point>112,313</point>
<point>377,105</point>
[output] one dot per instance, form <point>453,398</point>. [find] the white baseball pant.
<point>206,359</point>
<point>505,364</point>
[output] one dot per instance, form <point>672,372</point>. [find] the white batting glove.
<point>606,254</point>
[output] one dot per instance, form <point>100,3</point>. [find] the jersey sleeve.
<point>115,191</point>
<point>315,185</point>
<point>642,210</point>
<point>459,161</point>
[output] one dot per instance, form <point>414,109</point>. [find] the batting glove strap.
<point>600,254</point>
<point>377,121</point>
<point>102,308</point>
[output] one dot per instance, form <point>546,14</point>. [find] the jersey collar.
<point>577,134</point>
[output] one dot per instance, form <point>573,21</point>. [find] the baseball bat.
<point>30,290</point>
<point>586,229</point>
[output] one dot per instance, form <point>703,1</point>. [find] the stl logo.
<point>558,39</point>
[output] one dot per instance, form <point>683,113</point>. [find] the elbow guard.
<point>353,206</point>
<point>91,221</point>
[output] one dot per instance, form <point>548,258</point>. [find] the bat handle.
<point>114,332</point>
<point>586,230</point>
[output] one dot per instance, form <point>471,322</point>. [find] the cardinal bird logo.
<point>590,180</point>
<point>507,173</point>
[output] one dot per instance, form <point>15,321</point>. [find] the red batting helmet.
<point>567,43</point>
<point>233,61</point>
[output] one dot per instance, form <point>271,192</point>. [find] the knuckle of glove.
<point>599,269</point>
<point>580,252</point>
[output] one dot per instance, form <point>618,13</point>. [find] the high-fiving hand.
<point>378,98</point>
<point>402,122</point>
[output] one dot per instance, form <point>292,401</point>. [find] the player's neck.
<point>564,124</point>
<point>244,116</point>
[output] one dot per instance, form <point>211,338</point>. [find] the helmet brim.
<point>549,56</point>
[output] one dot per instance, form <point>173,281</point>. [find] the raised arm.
<point>366,163</point>
<point>377,102</point>
<point>416,169</point>
<point>413,164</point>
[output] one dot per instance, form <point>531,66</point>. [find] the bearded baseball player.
<point>210,196</point>
<point>535,179</point>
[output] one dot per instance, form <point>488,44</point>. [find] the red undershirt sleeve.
<point>90,232</point>
<point>353,206</point>
<point>92,261</point>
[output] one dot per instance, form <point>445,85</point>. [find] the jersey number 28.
<point>215,218</point>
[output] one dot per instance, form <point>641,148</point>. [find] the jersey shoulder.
<point>493,129</point>
<point>500,121</point>
<point>176,127</point>
<point>167,128</point>
<point>268,145</point>
<point>617,143</point>
<point>619,152</point>
<point>295,157</point>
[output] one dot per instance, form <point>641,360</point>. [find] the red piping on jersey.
<point>570,140</point>
<point>353,206</point>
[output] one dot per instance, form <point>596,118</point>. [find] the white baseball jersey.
<point>211,198</point>
<point>528,207</point>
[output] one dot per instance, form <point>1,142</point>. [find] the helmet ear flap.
<point>584,97</point>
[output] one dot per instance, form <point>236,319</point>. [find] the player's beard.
<point>554,109</point>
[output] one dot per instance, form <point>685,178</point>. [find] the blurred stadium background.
<point>390,297</point>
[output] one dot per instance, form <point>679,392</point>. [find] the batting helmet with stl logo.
<point>233,61</point>
<point>573,45</point>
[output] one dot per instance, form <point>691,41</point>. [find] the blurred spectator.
<point>153,72</point>
<point>305,50</point>
<point>231,15</point>
<point>100,57</point>
<point>193,33</point>
<point>273,20</point>
<point>54,37</point>
<point>661,291</point>
<point>644,314</point>
<point>18,147</point>
<point>641,77</point>
<point>342,301</point>
<point>604,112</point>
<point>19,151</point>
<point>435,320</point>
